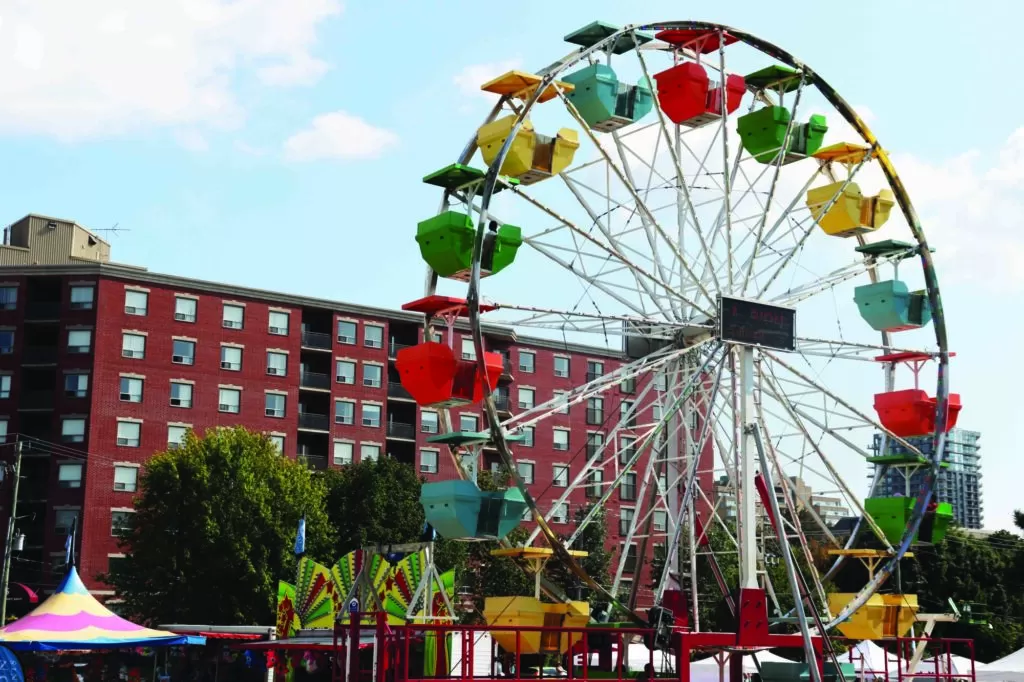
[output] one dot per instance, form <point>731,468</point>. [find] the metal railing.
<point>317,340</point>
<point>39,354</point>
<point>314,380</point>
<point>397,390</point>
<point>318,462</point>
<point>394,347</point>
<point>401,430</point>
<point>317,422</point>
<point>35,310</point>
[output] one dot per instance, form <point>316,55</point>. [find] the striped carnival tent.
<point>71,619</point>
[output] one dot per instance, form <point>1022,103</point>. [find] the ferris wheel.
<point>697,198</point>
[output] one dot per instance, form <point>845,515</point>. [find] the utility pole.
<point>8,547</point>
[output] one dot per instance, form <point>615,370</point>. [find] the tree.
<point>374,502</point>
<point>214,530</point>
<point>597,564</point>
<point>1018,519</point>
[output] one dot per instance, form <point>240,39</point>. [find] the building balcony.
<point>36,400</point>
<point>315,462</point>
<point>317,341</point>
<point>401,430</point>
<point>310,421</point>
<point>394,347</point>
<point>39,355</point>
<point>500,402</point>
<point>315,381</point>
<point>396,390</point>
<point>42,311</point>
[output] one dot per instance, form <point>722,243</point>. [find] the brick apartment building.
<point>103,364</point>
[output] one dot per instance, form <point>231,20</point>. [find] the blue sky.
<point>280,143</point>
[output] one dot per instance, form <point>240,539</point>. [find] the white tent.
<point>709,670</point>
<point>1007,669</point>
<point>869,660</point>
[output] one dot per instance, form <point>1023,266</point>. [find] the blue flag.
<point>300,537</point>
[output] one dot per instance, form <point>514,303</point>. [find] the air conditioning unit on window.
<point>126,397</point>
<point>184,317</point>
<point>283,331</point>
<point>224,364</point>
<point>127,442</point>
<point>224,407</point>
<point>171,445</point>
<point>232,324</point>
<point>271,412</point>
<point>346,339</point>
<point>274,371</point>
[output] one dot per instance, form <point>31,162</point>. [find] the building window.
<point>231,358</point>
<point>372,375</point>
<point>344,412</point>
<point>71,430</point>
<point>560,514</point>
<point>627,491</point>
<point>428,461</point>
<point>561,366</point>
<point>629,566</point>
<point>468,349</point>
<point>595,370</point>
<point>469,422</point>
<point>278,442</point>
<point>5,385</point>
<point>183,352</point>
<point>229,400</point>
<point>594,480</point>
<point>277,323</point>
<point>131,390</point>
<point>277,364</point>
<point>181,394</point>
<point>527,432</point>
<point>129,434</point>
<point>660,381</point>
<point>369,452</point>
<point>627,448</point>
<point>233,316</point>
<point>656,412</point>
<point>64,520</point>
<point>347,332</point>
<point>69,476</point>
<point>133,346</point>
<point>627,414</point>
<point>345,371</point>
<point>274,406</point>
<point>175,436</point>
<point>136,302</point>
<point>373,336</point>
<point>79,340</point>
<point>660,521</point>
<point>527,360</point>
<point>625,520</point>
<point>8,298</point>
<point>3,430</point>
<point>560,475</point>
<point>342,453</point>
<point>6,341</point>
<point>560,440</point>
<point>595,443</point>
<point>120,522</point>
<point>564,408</point>
<point>185,309</point>
<point>628,385</point>
<point>428,422</point>
<point>526,398</point>
<point>595,411</point>
<point>371,415</point>
<point>82,297</point>
<point>75,385</point>
<point>525,471</point>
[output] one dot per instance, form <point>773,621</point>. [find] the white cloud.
<point>338,135</point>
<point>90,69</point>
<point>469,80</point>
<point>248,149</point>
<point>192,140</point>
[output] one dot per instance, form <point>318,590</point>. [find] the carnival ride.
<point>692,214</point>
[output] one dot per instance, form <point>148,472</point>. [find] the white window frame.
<point>475,425</point>
<point>87,303</point>
<point>273,411</point>
<point>367,341</point>
<point>182,304</point>
<point>425,467</point>
<point>8,302</point>
<point>368,423</point>
<point>64,435</point>
<point>519,398</point>
<point>660,521</point>
<point>179,404</point>
<point>346,339</point>
<point>131,396</point>
<point>124,438</point>
<point>363,449</point>
<point>226,353</point>
<point>69,482</point>
<point>528,478</point>
<point>278,442</point>
<point>565,408</point>
<point>130,309</point>
<point>352,415</point>
<point>80,347</point>
<point>523,354</point>
<point>181,359</point>
<point>5,385</point>
<point>369,383</point>
<point>118,513</point>
<point>556,444</point>
<point>79,392</point>
<point>467,348</point>
<point>560,475</point>
<point>531,434</point>
<point>129,339</point>
<point>278,316</point>
<point>228,321</point>
<point>343,460</point>
<point>436,422</point>
<point>338,376</point>
<point>568,366</point>
<point>225,392</point>
<point>272,369</point>
<point>173,444</point>
<point>560,513</point>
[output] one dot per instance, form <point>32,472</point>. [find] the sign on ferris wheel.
<point>753,323</point>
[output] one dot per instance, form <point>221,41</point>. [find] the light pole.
<point>9,545</point>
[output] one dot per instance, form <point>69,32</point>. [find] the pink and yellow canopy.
<point>72,619</point>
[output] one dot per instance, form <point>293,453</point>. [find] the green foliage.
<point>373,502</point>
<point>597,563</point>
<point>214,530</point>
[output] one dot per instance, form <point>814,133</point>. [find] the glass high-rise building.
<point>959,483</point>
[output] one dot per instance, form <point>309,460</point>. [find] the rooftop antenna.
<point>114,229</point>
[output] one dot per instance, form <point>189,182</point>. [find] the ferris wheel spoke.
<point>681,185</point>
<point>849,350</point>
